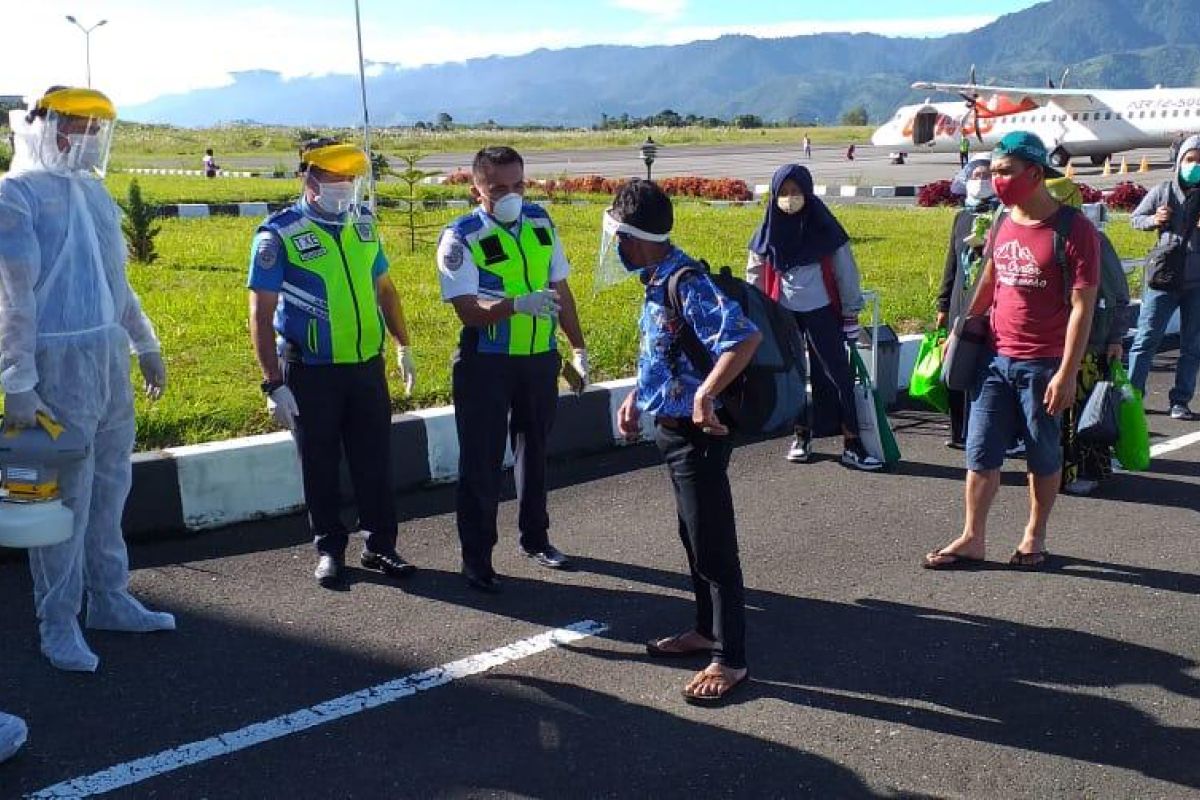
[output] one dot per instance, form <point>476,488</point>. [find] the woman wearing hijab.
<point>964,257</point>
<point>801,257</point>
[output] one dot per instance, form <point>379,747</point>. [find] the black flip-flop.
<point>1030,561</point>
<point>654,651</point>
<point>712,700</point>
<point>955,561</point>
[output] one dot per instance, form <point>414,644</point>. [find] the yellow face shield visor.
<point>85,103</point>
<point>340,159</point>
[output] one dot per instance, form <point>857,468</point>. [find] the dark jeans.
<point>498,397</point>
<point>829,371</point>
<point>698,464</point>
<point>345,407</point>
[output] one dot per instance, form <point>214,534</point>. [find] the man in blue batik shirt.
<point>688,430</point>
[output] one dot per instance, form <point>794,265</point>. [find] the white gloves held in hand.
<point>154,373</point>
<point>406,367</point>
<point>21,409</point>
<point>542,303</point>
<point>281,405</point>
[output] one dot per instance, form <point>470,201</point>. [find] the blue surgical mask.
<point>1190,174</point>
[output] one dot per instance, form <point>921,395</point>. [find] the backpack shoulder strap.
<point>689,342</point>
<point>993,231</point>
<point>1064,220</point>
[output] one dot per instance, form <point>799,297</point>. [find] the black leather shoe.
<point>549,557</point>
<point>487,584</point>
<point>390,564</point>
<point>329,570</point>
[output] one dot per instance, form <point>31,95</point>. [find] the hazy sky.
<point>155,47</point>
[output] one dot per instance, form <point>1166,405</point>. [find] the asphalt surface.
<point>870,676</point>
<point>756,163</point>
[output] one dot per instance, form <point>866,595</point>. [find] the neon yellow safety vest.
<point>346,326</point>
<point>514,266</point>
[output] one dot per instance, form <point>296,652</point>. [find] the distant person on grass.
<point>689,429</point>
<point>210,164</point>
<point>321,308</point>
<point>1039,332</point>
<point>807,147</point>
<point>800,256</point>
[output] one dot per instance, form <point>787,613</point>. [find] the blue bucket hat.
<point>1027,147</point>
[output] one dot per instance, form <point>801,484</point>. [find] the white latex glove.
<point>154,372</point>
<point>543,303</point>
<point>21,409</point>
<point>281,405</point>
<point>579,360</point>
<point>406,367</point>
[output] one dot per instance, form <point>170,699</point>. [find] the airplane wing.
<point>1066,99</point>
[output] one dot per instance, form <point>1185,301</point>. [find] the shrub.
<point>1125,196</point>
<point>1089,194</point>
<point>138,225</point>
<point>937,194</point>
<point>460,177</point>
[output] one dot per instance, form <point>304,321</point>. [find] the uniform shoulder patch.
<point>451,252</point>
<point>266,249</point>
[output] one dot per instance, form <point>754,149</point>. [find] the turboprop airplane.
<point>1071,122</point>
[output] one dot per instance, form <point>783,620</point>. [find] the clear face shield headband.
<point>611,269</point>
<point>336,177</point>
<point>64,144</point>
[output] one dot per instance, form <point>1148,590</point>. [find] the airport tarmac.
<point>869,677</point>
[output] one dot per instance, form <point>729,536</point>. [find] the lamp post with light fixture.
<point>87,43</point>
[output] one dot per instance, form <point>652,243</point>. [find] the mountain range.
<point>1112,44</point>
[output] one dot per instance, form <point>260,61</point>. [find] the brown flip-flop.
<point>655,650</point>
<point>720,697</point>
<point>951,561</point>
<point>1031,561</point>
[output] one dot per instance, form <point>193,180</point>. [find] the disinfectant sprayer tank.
<point>31,511</point>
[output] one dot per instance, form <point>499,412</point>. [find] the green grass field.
<point>165,146</point>
<point>195,294</point>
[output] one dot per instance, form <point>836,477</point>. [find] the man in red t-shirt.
<point>1039,336</point>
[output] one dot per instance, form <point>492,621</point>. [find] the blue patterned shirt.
<point>666,379</point>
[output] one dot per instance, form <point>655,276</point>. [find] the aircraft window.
<point>1075,117</point>
<point>1176,113</point>
<point>1108,115</point>
<point>1154,114</point>
<point>1118,115</point>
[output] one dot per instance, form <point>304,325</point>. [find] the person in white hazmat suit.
<point>68,319</point>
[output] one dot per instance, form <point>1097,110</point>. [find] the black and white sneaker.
<point>329,570</point>
<point>390,564</point>
<point>549,557</point>
<point>1181,411</point>
<point>856,456</point>
<point>801,450</point>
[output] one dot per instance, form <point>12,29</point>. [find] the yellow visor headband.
<point>340,159</point>
<point>79,103</point>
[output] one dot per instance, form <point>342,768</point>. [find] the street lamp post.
<point>87,43</point>
<point>649,151</point>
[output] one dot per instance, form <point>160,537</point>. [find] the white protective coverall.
<point>68,317</point>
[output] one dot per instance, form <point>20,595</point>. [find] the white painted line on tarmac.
<point>224,744</point>
<point>1178,443</point>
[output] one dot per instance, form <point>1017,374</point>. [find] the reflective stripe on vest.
<point>344,266</point>
<point>522,264</point>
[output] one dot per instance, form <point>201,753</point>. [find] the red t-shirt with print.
<point>1030,310</point>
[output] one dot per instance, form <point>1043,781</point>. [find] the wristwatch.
<point>270,386</point>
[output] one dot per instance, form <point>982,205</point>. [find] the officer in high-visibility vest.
<point>321,306</point>
<point>503,269</point>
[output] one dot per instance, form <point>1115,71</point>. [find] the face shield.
<point>70,134</point>
<point>335,178</point>
<point>611,269</point>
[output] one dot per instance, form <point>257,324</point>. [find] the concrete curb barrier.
<point>198,487</point>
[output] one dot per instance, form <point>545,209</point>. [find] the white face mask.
<point>980,188</point>
<point>335,198</point>
<point>507,209</point>
<point>790,203</point>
